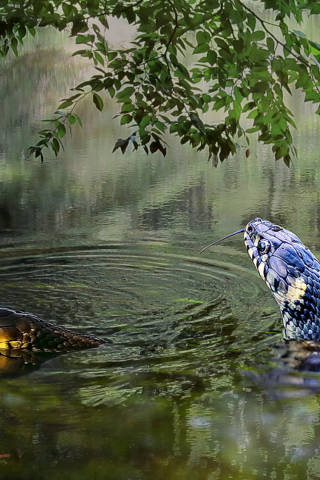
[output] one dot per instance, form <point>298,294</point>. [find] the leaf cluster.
<point>188,58</point>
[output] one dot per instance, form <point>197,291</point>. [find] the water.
<point>195,385</point>
<point>182,328</point>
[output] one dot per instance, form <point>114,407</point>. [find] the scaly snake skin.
<point>21,330</point>
<point>291,272</point>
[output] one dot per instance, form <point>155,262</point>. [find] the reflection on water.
<point>168,395</point>
<point>197,384</point>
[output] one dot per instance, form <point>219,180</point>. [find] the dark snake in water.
<point>22,330</point>
<point>286,265</point>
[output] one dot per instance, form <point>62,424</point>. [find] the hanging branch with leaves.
<point>188,58</point>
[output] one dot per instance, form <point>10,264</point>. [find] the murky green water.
<point>108,244</point>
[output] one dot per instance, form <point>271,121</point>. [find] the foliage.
<point>241,65</point>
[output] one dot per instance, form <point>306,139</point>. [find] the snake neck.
<point>300,307</point>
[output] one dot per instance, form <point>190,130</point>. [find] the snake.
<point>25,331</point>
<point>291,272</point>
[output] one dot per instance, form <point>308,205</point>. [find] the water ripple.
<point>167,310</point>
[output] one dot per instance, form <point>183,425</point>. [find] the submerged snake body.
<point>291,272</point>
<point>21,330</point>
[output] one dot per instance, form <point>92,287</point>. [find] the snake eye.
<point>263,246</point>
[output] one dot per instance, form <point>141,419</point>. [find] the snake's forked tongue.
<point>217,241</point>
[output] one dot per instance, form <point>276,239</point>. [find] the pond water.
<point>109,245</point>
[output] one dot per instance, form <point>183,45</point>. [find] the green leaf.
<point>99,58</point>
<point>126,92</point>
<point>127,107</point>
<point>145,122</point>
<point>103,20</point>
<point>97,100</point>
<point>300,34</point>
<point>126,119</point>
<point>201,37</point>
<point>87,39</point>
<point>31,30</point>
<point>71,119</point>
<point>212,57</point>
<point>112,92</point>
<point>78,119</point>
<point>14,46</point>
<point>252,130</point>
<point>61,130</point>
<point>55,146</point>
<point>122,144</point>
<point>270,44</point>
<point>67,8</point>
<point>66,104</point>
<point>200,49</point>
<point>257,36</point>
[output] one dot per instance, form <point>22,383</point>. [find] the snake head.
<point>291,272</point>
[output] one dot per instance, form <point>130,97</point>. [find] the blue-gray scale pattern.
<point>291,272</point>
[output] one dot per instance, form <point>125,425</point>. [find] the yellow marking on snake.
<point>15,344</point>
<point>297,291</point>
